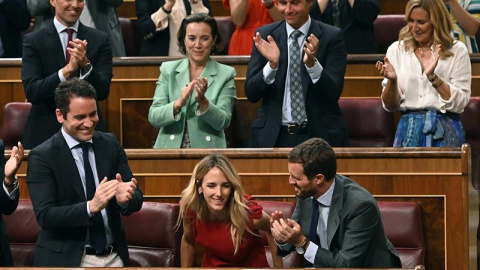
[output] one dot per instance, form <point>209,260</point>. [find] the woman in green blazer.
<point>194,96</point>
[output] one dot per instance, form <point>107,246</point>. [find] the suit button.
<point>208,138</point>
<point>172,137</point>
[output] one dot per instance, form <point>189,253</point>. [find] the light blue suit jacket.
<point>205,130</point>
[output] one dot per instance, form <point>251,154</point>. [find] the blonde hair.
<point>440,20</point>
<point>238,211</point>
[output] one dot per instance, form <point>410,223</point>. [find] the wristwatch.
<point>87,67</point>
<point>302,247</point>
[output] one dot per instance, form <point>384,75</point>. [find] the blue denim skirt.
<point>429,128</point>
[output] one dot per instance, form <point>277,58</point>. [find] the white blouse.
<point>416,92</point>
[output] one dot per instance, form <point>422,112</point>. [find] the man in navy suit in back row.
<point>296,69</point>
<point>49,58</point>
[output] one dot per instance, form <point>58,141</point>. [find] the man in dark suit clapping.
<point>296,70</point>
<point>80,182</point>
<point>62,50</point>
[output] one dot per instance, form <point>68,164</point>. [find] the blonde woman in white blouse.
<point>427,77</point>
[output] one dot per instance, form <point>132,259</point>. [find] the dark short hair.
<point>70,89</point>
<point>198,18</point>
<point>316,156</point>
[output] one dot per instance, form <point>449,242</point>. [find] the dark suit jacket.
<point>356,22</point>
<point>14,18</point>
<point>156,43</point>
<point>325,119</point>
<point>356,237</point>
<point>42,57</point>
<point>59,201</point>
<point>103,12</point>
<point>7,206</point>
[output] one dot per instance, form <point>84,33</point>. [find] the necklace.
<point>424,49</point>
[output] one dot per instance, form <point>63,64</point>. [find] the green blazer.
<point>355,234</point>
<point>205,130</point>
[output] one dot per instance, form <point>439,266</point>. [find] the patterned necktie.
<point>296,93</point>
<point>70,35</point>
<point>98,238</point>
<point>313,236</point>
<point>336,14</point>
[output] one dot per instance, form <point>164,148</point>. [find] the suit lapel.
<point>55,45</point>
<point>280,37</point>
<point>210,72</point>
<point>183,77</point>
<point>65,159</point>
<point>336,207</point>
<point>101,157</point>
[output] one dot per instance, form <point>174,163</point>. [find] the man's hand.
<point>287,231</point>
<point>104,192</point>
<point>79,51</point>
<point>310,49</point>
<point>13,163</point>
<point>125,190</point>
<point>268,49</point>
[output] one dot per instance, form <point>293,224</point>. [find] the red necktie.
<point>70,34</point>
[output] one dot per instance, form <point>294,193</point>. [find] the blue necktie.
<point>98,239</point>
<point>313,236</point>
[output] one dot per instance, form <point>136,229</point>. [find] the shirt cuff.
<point>88,209</point>
<point>60,75</point>
<point>86,74</point>
<point>311,252</point>
<point>124,207</point>
<point>12,195</point>
<point>198,112</point>
<point>269,74</point>
<point>176,115</point>
<point>284,246</point>
<point>160,17</point>
<point>315,72</point>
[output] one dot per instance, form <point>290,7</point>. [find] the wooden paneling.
<point>436,178</point>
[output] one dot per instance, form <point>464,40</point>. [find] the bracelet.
<point>433,77</point>
<point>436,82</point>
<point>9,186</point>
<point>166,10</point>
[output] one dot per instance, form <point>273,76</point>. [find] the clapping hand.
<point>268,49</point>
<point>386,69</point>
<point>310,49</point>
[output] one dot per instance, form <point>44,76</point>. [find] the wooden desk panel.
<point>437,179</point>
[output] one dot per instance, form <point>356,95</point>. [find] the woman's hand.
<point>169,4</point>
<point>184,96</point>
<point>200,88</point>
<point>386,69</point>
<point>429,65</point>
